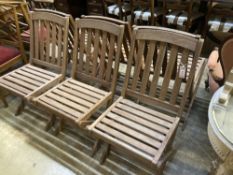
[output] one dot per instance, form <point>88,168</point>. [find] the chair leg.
<point>95,147</point>
<point>20,108</point>
<point>60,126</point>
<point>4,102</point>
<point>105,154</point>
<point>50,123</point>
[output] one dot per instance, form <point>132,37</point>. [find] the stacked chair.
<point>116,8</point>
<point>163,73</point>
<point>219,20</point>
<point>181,14</point>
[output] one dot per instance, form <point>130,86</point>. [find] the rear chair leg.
<point>95,147</point>
<point>50,123</point>
<point>20,108</point>
<point>4,102</point>
<point>60,126</point>
<point>105,154</point>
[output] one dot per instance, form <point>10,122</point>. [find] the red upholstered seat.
<point>7,53</point>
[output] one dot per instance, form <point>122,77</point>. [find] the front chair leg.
<point>59,127</point>
<point>95,147</point>
<point>4,102</point>
<point>105,154</point>
<point>50,123</point>
<point>20,107</point>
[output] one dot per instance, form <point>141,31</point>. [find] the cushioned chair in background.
<point>48,58</point>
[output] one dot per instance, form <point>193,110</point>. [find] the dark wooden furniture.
<point>143,121</point>
<point>181,14</point>
<point>93,80</point>
<point>48,50</point>
<point>145,11</point>
<point>95,7</point>
<point>116,8</point>
<point>219,20</point>
<point>11,45</point>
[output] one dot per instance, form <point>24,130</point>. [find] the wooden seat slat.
<point>149,111</point>
<point>140,120</point>
<point>15,87</point>
<point>26,79</point>
<point>75,99</point>
<point>60,107</point>
<point>36,73</point>
<point>67,102</point>
<point>91,88</point>
<point>80,93</point>
<point>20,83</point>
<point>135,126</point>
<point>49,73</point>
<point>31,76</point>
<point>83,90</point>
<point>106,130</point>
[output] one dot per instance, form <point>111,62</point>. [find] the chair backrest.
<point>49,40</point>
<point>97,49</point>
<point>71,28</point>
<point>126,37</point>
<point>153,87</point>
<point>226,57</point>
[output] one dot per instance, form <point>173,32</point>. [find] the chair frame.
<point>80,70</point>
<point>187,41</point>
<point>41,58</point>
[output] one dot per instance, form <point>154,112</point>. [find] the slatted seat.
<point>48,58</point>
<point>143,121</point>
<point>137,128</point>
<point>27,79</point>
<point>93,80</point>
<point>74,99</point>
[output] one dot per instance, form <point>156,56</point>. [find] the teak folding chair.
<point>93,82</point>
<point>48,58</point>
<point>143,121</point>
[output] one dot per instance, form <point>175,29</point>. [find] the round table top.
<point>221,119</point>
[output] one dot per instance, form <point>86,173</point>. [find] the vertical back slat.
<point>48,41</point>
<point>178,80</point>
<point>146,72</point>
<point>139,63</point>
<point>167,77</point>
<point>158,67</point>
<point>41,40</point>
<point>102,56</point>
<point>82,48</point>
<point>96,51</point>
<point>110,57</point>
<point>59,45</point>
<point>36,41</point>
<point>89,48</point>
<point>53,47</point>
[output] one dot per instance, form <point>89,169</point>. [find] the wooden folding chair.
<point>11,46</point>
<point>48,58</point>
<point>143,121</point>
<point>93,82</point>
